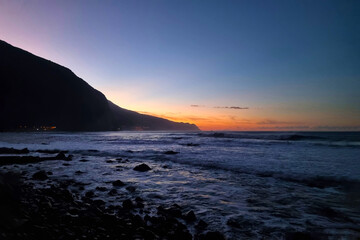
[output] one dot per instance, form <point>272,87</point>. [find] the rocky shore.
<point>54,211</point>
<point>50,194</point>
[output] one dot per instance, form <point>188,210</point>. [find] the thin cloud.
<point>285,127</point>
<point>232,107</point>
<point>195,105</point>
<point>222,107</point>
<point>275,122</point>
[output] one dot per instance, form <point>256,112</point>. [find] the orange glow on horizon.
<point>210,118</point>
<point>217,123</point>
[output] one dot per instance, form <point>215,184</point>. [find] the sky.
<point>223,65</point>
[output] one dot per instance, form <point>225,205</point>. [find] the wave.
<point>317,181</point>
<point>288,136</point>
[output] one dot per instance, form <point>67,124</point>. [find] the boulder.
<point>112,192</point>
<point>142,168</point>
<point>118,183</point>
<point>131,188</point>
<point>40,175</point>
<point>201,225</point>
<point>5,150</point>
<point>128,204</point>
<point>190,216</point>
<point>170,153</point>
<point>214,236</point>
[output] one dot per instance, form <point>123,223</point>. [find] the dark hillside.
<point>35,92</point>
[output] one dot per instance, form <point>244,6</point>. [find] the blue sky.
<point>296,63</point>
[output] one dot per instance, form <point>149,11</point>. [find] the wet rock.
<point>118,183</point>
<point>156,196</point>
<point>138,221</point>
<point>101,189</point>
<point>176,206</point>
<point>61,156</point>
<point>131,188</point>
<point>40,175</point>
<point>99,202</point>
<point>128,204</point>
<point>182,234</point>
<point>53,212</point>
<point>246,222</point>
<point>160,209</point>
<point>190,216</point>
<point>142,168</point>
<point>173,211</point>
<point>298,236</point>
<point>170,152</point>
<point>49,151</point>
<point>89,194</point>
<point>5,150</point>
<point>201,225</point>
<point>233,223</point>
<point>139,205</point>
<point>93,150</point>
<point>7,160</point>
<point>149,235</point>
<point>213,236</point>
<point>112,192</point>
<point>192,144</point>
<point>147,218</point>
<point>120,160</point>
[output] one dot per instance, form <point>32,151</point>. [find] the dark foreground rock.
<point>8,160</point>
<point>5,150</point>
<point>118,183</point>
<point>40,175</point>
<point>170,153</point>
<point>50,151</point>
<point>190,216</point>
<point>212,236</point>
<point>142,168</point>
<point>54,212</point>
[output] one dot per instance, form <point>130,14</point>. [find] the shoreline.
<point>57,211</point>
<point>53,192</point>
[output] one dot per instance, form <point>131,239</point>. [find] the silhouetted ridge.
<point>127,120</point>
<point>35,92</point>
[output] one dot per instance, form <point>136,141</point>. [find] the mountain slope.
<point>127,120</point>
<point>37,92</point>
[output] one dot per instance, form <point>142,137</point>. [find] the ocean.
<point>249,185</point>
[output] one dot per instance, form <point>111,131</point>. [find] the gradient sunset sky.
<point>223,65</point>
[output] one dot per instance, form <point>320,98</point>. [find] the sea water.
<point>247,184</point>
